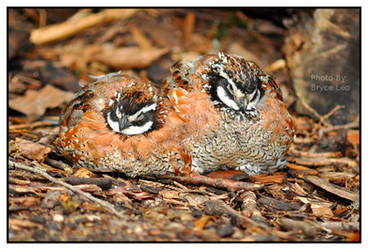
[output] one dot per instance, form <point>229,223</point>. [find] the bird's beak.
<point>241,99</point>
<point>123,123</point>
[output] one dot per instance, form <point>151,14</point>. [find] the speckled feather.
<point>87,140</point>
<point>254,141</point>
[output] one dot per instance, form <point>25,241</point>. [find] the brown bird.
<point>235,114</point>
<point>121,123</point>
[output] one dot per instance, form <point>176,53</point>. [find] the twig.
<point>103,183</point>
<point>325,161</point>
<point>310,109</point>
<point>353,124</point>
<point>301,170</point>
<point>217,182</point>
<point>298,153</point>
<point>276,65</point>
<point>30,125</point>
<point>299,140</point>
<point>103,204</point>
<point>26,132</point>
<point>59,165</point>
<point>181,186</point>
<point>332,111</point>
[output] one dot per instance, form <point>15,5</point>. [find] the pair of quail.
<point>215,112</point>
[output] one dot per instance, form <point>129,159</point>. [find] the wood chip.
<point>341,225</point>
<point>321,210</point>
<point>18,224</point>
<point>169,194</point>
<point>334,189</point>
<point>296,188</point>
<point>304,227</point>
<point>268,179</point>
<point>278,204</point>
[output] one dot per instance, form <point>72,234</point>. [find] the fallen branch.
<point>72,26</point>
<point>103,204</point>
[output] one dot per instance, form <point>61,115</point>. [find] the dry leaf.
<point>129,57</point>
<point>35,102</point>
<point>31,150</point>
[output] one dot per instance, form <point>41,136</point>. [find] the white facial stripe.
<point>252,105</point>
<point>134,130</point>
<point>111,101</point>
<point>143,110</point>
<point>224,75</point>
<point>252,95</point>
<point>117,112</point>
<point>114,125</point>
<point>221,93</point>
